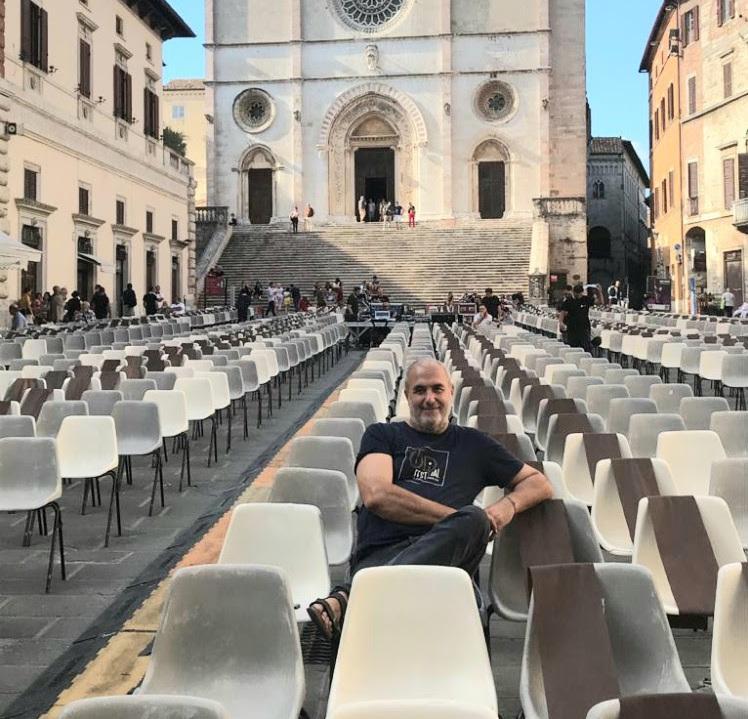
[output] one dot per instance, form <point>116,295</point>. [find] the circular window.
<point>369,15</point>
<point>495,100</point>
<point>254,110</point>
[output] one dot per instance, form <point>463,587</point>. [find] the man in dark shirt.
<point>574,318</point>
<point>491,302</point>
<point>418,480</point>
<point>150,302</point>
<point>100,303</point>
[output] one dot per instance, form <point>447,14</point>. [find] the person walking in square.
<point>294,217</point>
<point>411,215</point>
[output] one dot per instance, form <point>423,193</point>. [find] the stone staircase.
<point>415,266</point>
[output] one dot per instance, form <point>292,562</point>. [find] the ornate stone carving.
<point>369,15</point>
<point>254,110</point>
<point>371,53</point>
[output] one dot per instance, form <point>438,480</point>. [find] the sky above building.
<point>616,36</point>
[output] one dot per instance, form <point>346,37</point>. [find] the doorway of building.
<point>85,278</point>
<point>491,190</point>
<point>734,274</point>
<point>375,175</point>
<point>31,236</point>
<point>175,274</point>
<point>120,277</point>
<point>260,196</point>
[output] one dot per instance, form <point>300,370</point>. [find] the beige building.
<point>185,112</point>
<point>697,59</point>
<point>90,183</point>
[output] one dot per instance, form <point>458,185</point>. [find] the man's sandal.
<point>316,617</point>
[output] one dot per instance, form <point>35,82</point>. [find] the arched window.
<point>598,190</point>
<point>598,244</point>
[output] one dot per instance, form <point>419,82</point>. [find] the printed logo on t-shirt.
<point>423,464</point>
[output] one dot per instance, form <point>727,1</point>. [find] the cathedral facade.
<point>469,109</point>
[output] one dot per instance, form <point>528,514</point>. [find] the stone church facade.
<point>470,109</point>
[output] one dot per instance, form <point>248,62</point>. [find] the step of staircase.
<point>415,266</point>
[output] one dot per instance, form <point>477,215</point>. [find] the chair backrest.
<point>362,410</point>
<point>29,472</point>
<point>697,411</point>
<point>239,621</point>
<point>667,397</point>
<point>641,642</point>
<point>645,428</point>
<point>621,410</point>
<point>249,371</point>
<point>560,426</point>
<point>640,385</point>
<point>219,386</point>
<point>54,412</point>
<point>81,458</point>
<point>732,428</point>
<point>17,426</point>
<point>350,427</point>
<point>101,401</point>
<point>138,427</point>
<point>134,389</point>
<point>735,370</point>
<point>138,707</point>
<point>599,397</point>
<point>728,480</point>
<point>730,633</point>
<point>323,453</point>
<point>685,705</point>
<point>616,376</point>
<point>199,396</point>
<point>371,396</point>
<point>172,410</point>
<point>576,387</point>
<point>382,653</point>
<point>327,490</point>
<point>164,380</point>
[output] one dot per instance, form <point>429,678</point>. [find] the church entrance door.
<point>375,175</point>
<point>260,196</point>
<point>491,190</point>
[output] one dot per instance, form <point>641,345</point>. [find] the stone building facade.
<point>697,60</point>
<point>617,216</point>
<point>90,183</point>
<point>469,109</point>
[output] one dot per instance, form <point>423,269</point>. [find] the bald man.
<point>418,480</point>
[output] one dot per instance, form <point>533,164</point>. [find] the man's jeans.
<point>457,541</point>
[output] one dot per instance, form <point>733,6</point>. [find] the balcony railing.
<point>212,215</point>
<point>740,209</point>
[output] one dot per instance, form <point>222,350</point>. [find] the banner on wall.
<point>659,294</point>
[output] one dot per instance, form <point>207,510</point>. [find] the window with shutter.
<point>663,192</point>
<point>175,230</point>
<point>120,212</point>
<point>743,175</point>
<point>34,35</point>
<point>30,184</point>
<point>662,113</point>
<point>150,107</point>
<point>727,79</point>
<point>83,201</point>
<point>149,221</point>
<point>691,95</point>
<point>728,175</point>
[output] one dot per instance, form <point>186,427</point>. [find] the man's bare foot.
<point>327,614</point>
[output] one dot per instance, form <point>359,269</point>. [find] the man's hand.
<point>500,514</point>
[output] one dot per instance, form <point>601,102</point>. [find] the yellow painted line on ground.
<point>118,666</point>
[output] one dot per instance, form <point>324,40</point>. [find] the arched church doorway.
<point>375,175</point>
<point>257,180</point>
<point>490,181</point>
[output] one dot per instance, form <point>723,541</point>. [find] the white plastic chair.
<point>352,428</point>
<point>730,633</point>
<point>644,429</point>
<point>575,469</point>
<point>287,536</point>
<point>720,528</point>
<point>219,387</point>
<point>172,417</point>
<point>667,397</point>
<point>599,398</point>
<point>365,395</point>
<point>732,428</point>
<point>30,482</point>
<point>199,395</point>
<point>690,455</point>
<point>142,707</point>
<point>608,519</point>
<point>377,386</point>
<point>425,709</point>
<point>640,386</point>
<point>415,649</point>
<point>228,634</point>
<point>697,411</point>
<point>729,480</point>
<point>729,709</point>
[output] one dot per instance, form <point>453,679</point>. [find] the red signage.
<point>215,285</point>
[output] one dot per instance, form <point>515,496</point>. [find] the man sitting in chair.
<point>418,480</point>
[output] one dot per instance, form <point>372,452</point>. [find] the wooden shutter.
<point>695,16</point>
<point>743,175</point>
<point>117,93</point>
<point>26,30</point>
<point>693,180</point>
<point>691,95</point>
<point>720,12</point>
<point>128,96</point>
<point>727,79</point>
<point>84,86</point>
<point>731,8</point>
<point>728,179</point>
<point>43,41</point>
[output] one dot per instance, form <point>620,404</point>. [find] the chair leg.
<point>158,477</point>
<point>114,502</point>
<point>269,387</point>
<point>86,486</point>
<point>228,434</point>
<point>244,410</point>
<point>28,528</point>
<point>166,454</point>
<point>259,407</point>
<point>56,531</point>
<point>290,382</point>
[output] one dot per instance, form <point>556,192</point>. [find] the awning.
<point>106,267</point>
<point>14,253</point>
<point>89,258</point>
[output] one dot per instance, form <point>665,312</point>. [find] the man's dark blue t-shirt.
<point>450,468</point>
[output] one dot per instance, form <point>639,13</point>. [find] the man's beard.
<point>431,423</point>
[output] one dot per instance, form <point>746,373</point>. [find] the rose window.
<point>369,15</point>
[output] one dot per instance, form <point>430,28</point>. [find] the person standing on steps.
<point>150,302</point>
<point>372,210</point>
<point>294,217</point>
<point>728,302</point>
<point>129,301</point>
<point>411,215</point>
<point>270,295</point>
<point>361,210</point>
